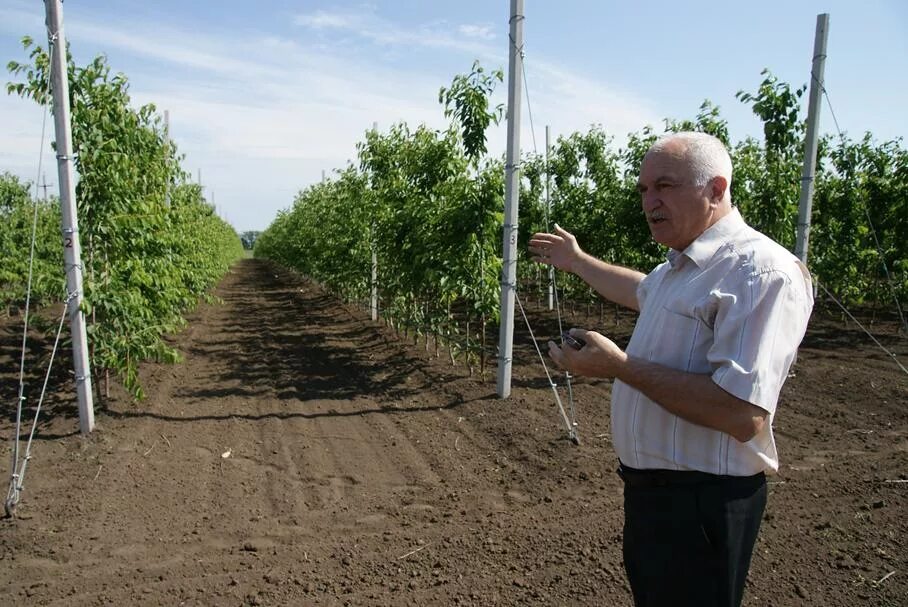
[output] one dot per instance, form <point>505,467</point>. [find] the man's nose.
<point>651,201</point>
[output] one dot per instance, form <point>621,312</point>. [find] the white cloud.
<point>576,102</point>
<point>263,114</point>
<point>19,17</point>
<point>21,146</point>
<point>173,47</point>
<point>483,32</point>
<point>371,27</point>
<point>325,20</point>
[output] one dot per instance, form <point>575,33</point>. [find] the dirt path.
<point>304,455</point>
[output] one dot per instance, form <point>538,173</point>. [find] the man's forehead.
<point>659,164</point>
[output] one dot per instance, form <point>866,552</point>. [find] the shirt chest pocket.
<point>681,338</point>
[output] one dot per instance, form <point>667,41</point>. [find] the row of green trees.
<point>20,213</point>
<point>151,244</point>
<point>429,204</point>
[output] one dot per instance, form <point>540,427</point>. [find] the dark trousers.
<point>689,536</point>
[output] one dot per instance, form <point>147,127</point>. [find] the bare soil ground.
<point>304,455</point>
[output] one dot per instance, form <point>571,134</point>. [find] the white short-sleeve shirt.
<point>733,305</point>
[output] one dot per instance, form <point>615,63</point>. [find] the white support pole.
<point>511,194</point>
<point>548,212</point>
<point>72,251</point>
<point>44,186</point>
<point>373,300</point>
<point>810,139</point>
<point>167,148</point>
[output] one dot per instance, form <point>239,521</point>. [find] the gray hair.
<point>706,156</point>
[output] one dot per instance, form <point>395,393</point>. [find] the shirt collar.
<point>701,250</point>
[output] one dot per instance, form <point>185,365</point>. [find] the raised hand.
<point>559,249</point>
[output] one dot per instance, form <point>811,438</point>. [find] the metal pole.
<point>511,195</point>
<point>373,300</point>
<point>810,140</point>
<point>167,159</point>
<point>72,251</point>
<point>548,212</point>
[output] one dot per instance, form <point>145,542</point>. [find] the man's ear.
<point>717,188</point>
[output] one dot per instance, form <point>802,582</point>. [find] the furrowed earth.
<point>302,454</point>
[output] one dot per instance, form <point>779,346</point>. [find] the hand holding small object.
<point>574,342</point>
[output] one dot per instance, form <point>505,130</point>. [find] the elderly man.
<point>696,390</point>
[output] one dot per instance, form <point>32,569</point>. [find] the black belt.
<point>634,477</point>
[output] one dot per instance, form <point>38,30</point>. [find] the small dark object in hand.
<point>574,342</point>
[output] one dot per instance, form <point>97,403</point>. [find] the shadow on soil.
<point>277,340</point>
<point>297,344</point>
<point>59,402</point>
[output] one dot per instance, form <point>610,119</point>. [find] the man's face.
<point>677,211</point>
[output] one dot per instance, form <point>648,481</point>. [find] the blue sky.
<point>264,96</point>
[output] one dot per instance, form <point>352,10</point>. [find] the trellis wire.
<point>569,424</point>
<point>876,240</point>
<point>572,424</point>
<point>869,334</point>
<point>17,478</point>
